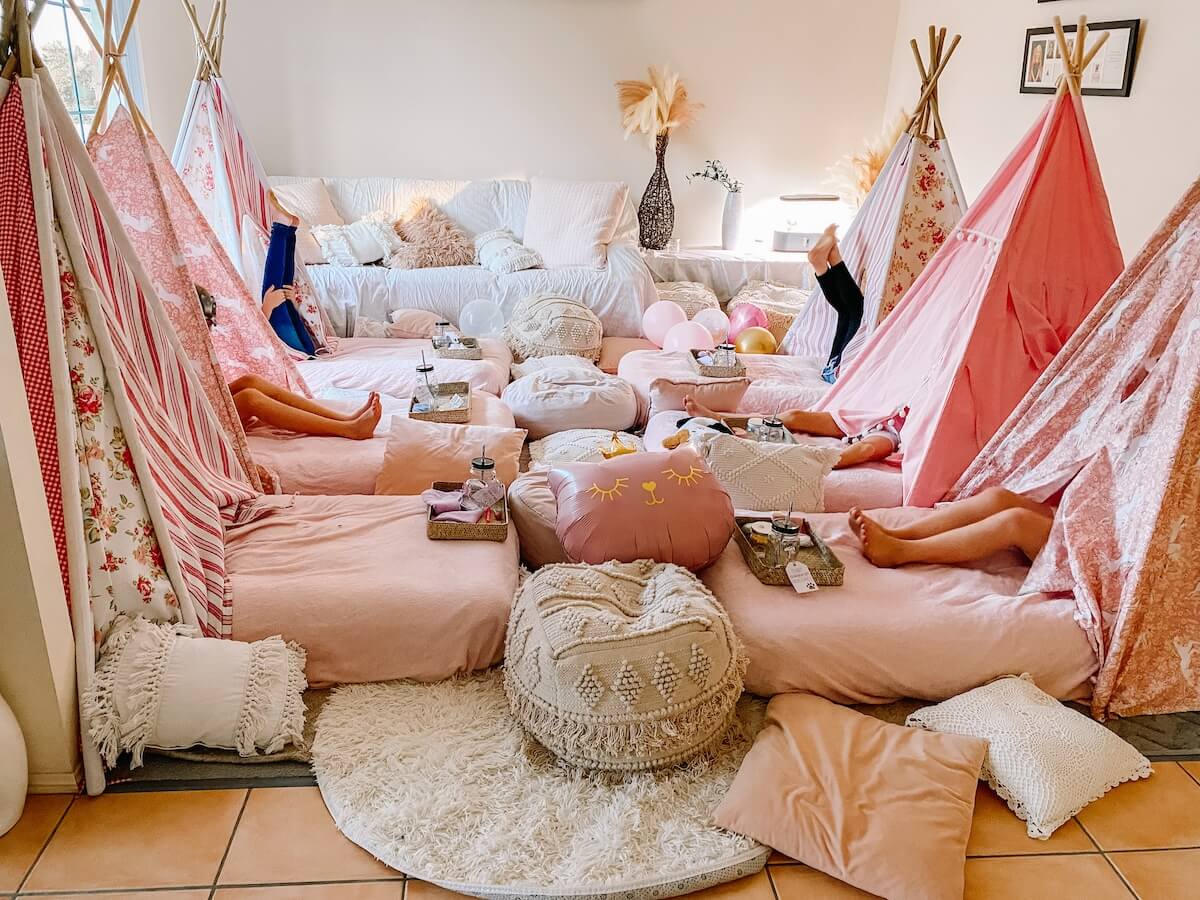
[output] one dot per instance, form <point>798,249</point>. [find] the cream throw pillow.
<point>311,203</point>
<point>571,223</point>
<point>1046,760</point>
<point>499,251</point>
<point>368,240</point>
<point>765,477</point>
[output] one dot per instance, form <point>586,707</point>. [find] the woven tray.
<point>446,416</point>
<point>737,420</point>
<point>827,570</point>
<point>470,349</point>
<point>464,531</point>
<point>738,371</point>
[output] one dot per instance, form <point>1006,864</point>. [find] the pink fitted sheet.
<point>355,581</point>
<point>388,365</point>
<point>928,632</point>
<point>304,464</point>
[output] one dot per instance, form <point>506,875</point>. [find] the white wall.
<point>1148,144</point>
<point>479,88</point>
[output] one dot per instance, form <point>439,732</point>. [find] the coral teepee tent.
<point>1116,418</point>
<point>139,476</point>
<point>1023,268</point>
<point>913,206</point>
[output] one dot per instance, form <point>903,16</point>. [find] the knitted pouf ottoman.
<point>552,325</point>
<point>621,666</point>
<point>692,296</point>
<point>781,302</point>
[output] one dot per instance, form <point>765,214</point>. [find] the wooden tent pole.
<point>933,79</point>
<point>14,44</point>
<point>914,122</point>
<point>939,132</point>
<point>1091,54</point>
<point>1067,80</point>
<point>202,41</point>
<point>213,66</point>
<point>221,34</point>
<point>24,52</point>
<point>1080,39</point>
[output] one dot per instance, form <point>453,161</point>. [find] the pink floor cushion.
<point>613,349</point>
<point>561,399</point>
<point>388,365</point>
<point>534,513</point>
<point>355,581</point>
<point>306,464</point>
<point>924,631</point>
<point>661,506</point>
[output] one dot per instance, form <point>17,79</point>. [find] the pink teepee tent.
<point>1023,268</point>
<point>913,206</point>
<point>1116,420</point>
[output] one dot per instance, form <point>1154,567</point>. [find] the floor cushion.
<point>355,581</point>
<point>533,509</point>
<point>781,302</point>
<point>389,365</point>
<point>621,666</point>
<point>691,296</point>
<point>552,325</point>
<point>922,631</point>
<point>559,399</point>
<point>612,349</point>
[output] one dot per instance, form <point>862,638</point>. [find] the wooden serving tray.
<point>446,416</point>
<point>827,570</point>
<point>470,349</point>
<point>464,531</point>
<point>737,371</point>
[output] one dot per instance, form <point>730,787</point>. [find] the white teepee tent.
<point>913,206</point>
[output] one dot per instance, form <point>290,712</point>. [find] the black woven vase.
<point>656,213</point>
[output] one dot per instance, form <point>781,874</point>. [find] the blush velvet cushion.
<point>666,507</point>
<point>420,453</point>
<point>879,806</point>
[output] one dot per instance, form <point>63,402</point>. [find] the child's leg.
<point>872,448</point>
<point>1014,528</point>
<point>818,424</point>
<point>965,512</point>
<point>289,398</point>
<point>838,283</point>
<point>254,404</point>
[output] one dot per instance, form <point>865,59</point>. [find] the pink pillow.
<point>878,806</point>
<point>413,323</point>
<point>718,394</point>
<point>420,453</point>
<point>661,506</point>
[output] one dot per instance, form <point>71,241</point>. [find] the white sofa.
<point>618,294</point>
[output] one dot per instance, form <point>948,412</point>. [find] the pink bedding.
<point>355,581</point>
<point>928,632</point>
<point>388,365</point>
<point>777,382</point>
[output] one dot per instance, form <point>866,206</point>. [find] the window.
<point>74,64</point>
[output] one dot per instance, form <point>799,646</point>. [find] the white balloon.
<point>481,318</point>
<point>715,321</point>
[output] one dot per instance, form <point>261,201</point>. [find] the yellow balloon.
<point>755,340</point>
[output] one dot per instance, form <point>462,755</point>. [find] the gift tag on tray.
<point>801,578</point>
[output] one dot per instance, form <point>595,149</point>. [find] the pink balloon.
<point>688,336</point>
<point>715,321</point>
<point>746,315</point>
<point>659,319</point>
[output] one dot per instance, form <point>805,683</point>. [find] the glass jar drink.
<point>483,489</point>
<point>441,334</point>
<point>425,393</point>
<point>725,356</point>
<point>773,431</point>
<point>785,541</point>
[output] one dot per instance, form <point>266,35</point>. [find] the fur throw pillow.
<point>429,238</point>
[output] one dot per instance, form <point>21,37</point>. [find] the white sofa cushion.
<point>571,223</point>
<point>309,200</point>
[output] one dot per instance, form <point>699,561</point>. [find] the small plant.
<point>714,170</point>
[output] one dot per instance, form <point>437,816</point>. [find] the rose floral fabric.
<point>1114,424</point>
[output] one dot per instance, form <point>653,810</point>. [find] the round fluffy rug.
<point>440,782</point>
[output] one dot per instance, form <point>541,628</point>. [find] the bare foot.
<point>835,255</point>
<point>818,255</point>
<point>855,519</point>
<point>692,408</point>
<point>363,426</point>
<point>879,547</point>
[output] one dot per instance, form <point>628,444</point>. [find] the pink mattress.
<point>388,365</point>
<point>873,486</point>
<point>776,382</point>
<point>355,582</point>
<point>304,464</point>
<point>928,632</point>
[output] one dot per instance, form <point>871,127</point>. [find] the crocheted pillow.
<point>662,506</point>
<point>578,445</point>
<point>1046,760</point>
<point>691,296</point>
<point>499,251</point>
<point>765,477</point>
<point>162,686</point>
<point>621,666</point>
<point>549,325</point>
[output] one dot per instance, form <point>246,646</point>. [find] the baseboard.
<point>56,782</point>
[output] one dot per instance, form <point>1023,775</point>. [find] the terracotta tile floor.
<point>1142,840</point>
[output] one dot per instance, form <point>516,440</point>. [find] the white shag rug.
<point>440,782</point>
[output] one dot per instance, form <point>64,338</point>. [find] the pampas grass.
<point>853,176</point>
<point>656,106</point>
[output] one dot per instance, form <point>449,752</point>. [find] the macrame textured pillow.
<point>766,477</point>
<point>781,302</point>
<point>549,325</point>
<point>578,445</point>
<point>692,296</point>
<point>621,666</point>
<point>499,251</point>
<point>1046,760</point>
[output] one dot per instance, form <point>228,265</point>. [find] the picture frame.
<point>1110,74</point>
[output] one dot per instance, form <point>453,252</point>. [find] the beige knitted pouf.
<point>692,296</point>
<point>621,666</point>
<point>552,325</point>
<point>781,302</point>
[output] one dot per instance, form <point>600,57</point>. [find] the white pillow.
<point>560,361</point>
<point>1046,760</point>
<point>368,240</point>
<point>161,686</point>
<point>576,445</point>
<point>499,251</point>
<point>310,202</point>
<point>571,223</point>
<point>765,477</point>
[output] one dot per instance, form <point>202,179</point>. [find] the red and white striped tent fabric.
<point>1115,419</point>
<point>138,473</point>
<point>1021,271</point>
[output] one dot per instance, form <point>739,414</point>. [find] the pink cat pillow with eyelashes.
<point>667,507</point>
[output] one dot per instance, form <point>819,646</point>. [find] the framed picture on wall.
<point>1109,74</point>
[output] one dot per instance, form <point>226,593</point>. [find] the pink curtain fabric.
<point>996,304</point>
<point>1116,420</point>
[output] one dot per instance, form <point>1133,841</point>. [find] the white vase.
<point>731,220</point>
<point>14,769</point>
